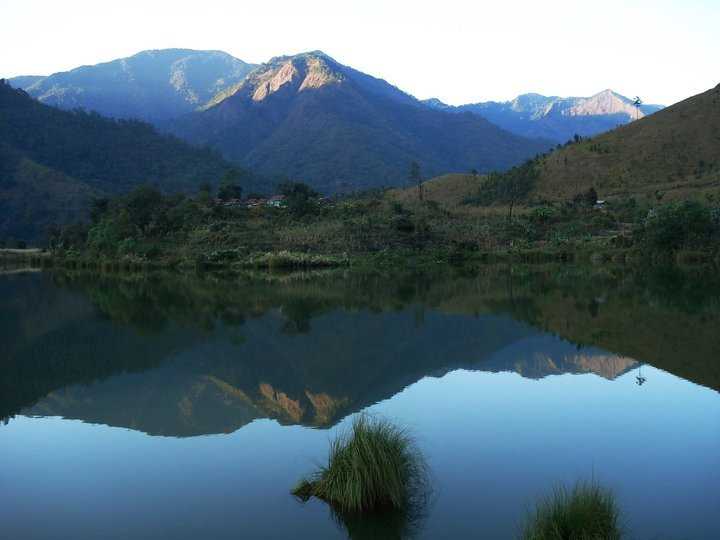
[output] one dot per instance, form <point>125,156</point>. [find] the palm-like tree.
<point>637,102</point>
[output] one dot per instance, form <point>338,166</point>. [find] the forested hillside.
<point>52,162</point>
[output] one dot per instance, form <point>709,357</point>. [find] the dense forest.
<point>54,162</point>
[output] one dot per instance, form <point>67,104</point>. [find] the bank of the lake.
<point>149,228</point>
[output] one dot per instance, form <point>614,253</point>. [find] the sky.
<point>458,51</point>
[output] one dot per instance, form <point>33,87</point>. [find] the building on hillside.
<point>254,203</point>
<point>276,201</point>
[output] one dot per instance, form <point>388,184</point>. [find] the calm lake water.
<point>187,407</point>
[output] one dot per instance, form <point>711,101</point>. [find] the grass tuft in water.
<point>375,465</point>
<point>587,512</point>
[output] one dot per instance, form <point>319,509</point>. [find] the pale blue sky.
<point>458,51</point>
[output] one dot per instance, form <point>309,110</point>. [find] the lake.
<point>173,406</point>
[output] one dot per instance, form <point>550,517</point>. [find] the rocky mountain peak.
<point>605,102</point>
<point>296,73</point>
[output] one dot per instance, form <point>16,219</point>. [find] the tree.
<point>98,207</point>
<point>587,198</point>
<point>204,194</point>
<point>637,103</point>
<point>509,187</point>
<point>230,185</point>
<point>679,225</point>
<point>416,177</point>
<point>298,197</point>
<point>144,205</point>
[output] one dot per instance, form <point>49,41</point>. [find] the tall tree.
<point>416,177</point>
<point>230,185</point>
<point>637,102</point>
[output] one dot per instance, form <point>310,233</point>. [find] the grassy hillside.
<point>53,162</point>
<point>672,154</point>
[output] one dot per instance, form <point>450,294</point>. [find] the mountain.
<point>155,86</point>
<point>52,162</point>
<point>556,118</point>
<point>24,81</point>
<point>673,151</point>
<point>311,118</point>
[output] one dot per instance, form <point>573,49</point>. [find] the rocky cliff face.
<point>604,103</point>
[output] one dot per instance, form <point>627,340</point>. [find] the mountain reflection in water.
<point>183,356</point>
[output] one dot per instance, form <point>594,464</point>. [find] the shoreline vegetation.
<point>287,261</point>
<point>457,220</point>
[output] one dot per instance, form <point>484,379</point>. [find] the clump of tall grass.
<point>587,512</point>
<point>373,466</point>
<point>290,259</point>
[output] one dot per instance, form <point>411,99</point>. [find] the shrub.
<point>677,225</point>
<point>374,466</point>
<point>543,214</point>
<point>289,260</point>
<point>127,246</point>
<point>508,187</point>
<point>588,512</point>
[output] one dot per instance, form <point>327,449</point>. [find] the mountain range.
<point>308,117</point>
<point>305,117</point>
<point>556,118</point>
<point>311,118</point>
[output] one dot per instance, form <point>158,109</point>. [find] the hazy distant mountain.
<point>24,81</point>
<point>152,85</point>
<point>52,162</point>
<point>556,118</point>
<point>310,118</point>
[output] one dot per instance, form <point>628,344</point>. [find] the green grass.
<point>289,259</point>
<point>373,466</point>
<point>587,512</point>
